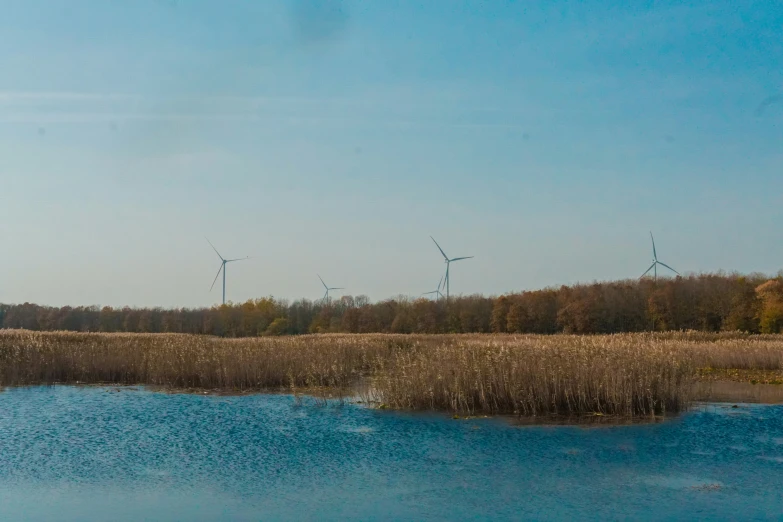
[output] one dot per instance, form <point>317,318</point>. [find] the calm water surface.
<point>69,453</point>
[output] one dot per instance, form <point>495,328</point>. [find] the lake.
<point>93,453</point>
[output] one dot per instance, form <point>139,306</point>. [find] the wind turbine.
<point>448,263</point>
<point>326,295</point>
<point>654,265</point>
<point>223,264</point>
<point>437,293</point>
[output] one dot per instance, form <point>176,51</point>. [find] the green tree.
<point>277,327</point>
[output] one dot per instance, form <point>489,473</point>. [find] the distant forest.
<point>707,302</point>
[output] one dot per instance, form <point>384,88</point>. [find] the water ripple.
<point>71,453</point>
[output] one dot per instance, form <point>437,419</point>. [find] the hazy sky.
<point>334,138</point>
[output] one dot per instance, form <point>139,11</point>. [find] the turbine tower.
<point>448,263</point>
<point>437,293</point>
<point>654,265</point>
<point>326,295</point>
<point>223,263</point>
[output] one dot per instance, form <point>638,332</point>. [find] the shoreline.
<point>725,392</point>
<point>722,393</point>
<point>628,375</point>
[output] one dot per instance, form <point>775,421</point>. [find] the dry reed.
<point>625,374</point>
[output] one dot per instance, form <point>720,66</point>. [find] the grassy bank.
<point>627,374</point>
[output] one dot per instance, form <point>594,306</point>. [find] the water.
<point>71,453</point>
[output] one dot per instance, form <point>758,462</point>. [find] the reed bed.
<point>624,374</point>
<point>538,375</point>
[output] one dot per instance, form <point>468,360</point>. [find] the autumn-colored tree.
<point>771,313</point>
<point>533,312</point>
<point>517,315</point>
<point>745,307</point>
<point>499,321</point>
<point>474,313</point>
<point>350,321</point>
<point>426,316</point>
<point>403,322</point>
<point>322,322</point>
<point>707,302</point>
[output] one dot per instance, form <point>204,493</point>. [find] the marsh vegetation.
<point>622,374</point>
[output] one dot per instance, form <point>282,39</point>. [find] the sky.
<point>334,137</point>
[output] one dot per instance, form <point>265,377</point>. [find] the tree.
<point>771,316</point>
<point>706,302</point>
<point>403,322</point>
<point>277,327</point>
<point>499,320</point>
<point>745,308</point>
<point>426,316</point>
<point>350,321</point>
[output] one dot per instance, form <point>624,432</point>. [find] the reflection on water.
<point>69,453</point>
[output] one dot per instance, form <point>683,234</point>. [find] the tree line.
<point>706,302</point>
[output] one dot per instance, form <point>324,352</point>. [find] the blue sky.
<point>335,137</point>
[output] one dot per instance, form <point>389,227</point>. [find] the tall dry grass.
<point>535,375</point>
<point>626,374</point>
<point>186,361</point>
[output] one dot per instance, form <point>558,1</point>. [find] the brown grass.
<point>626,374</point>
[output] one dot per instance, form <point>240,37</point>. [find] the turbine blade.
<point>337,288</point>
<point>647,271</point>
<point>213,248</point>
<point>655,254</point>
<point>322,282</point>
<point>441,283</point>
<point>670,268</point>
<point>218,274</point>
<point>238,259</point>
<point>428,293</point>
<point>439,248</point>
<point>460,258</point>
